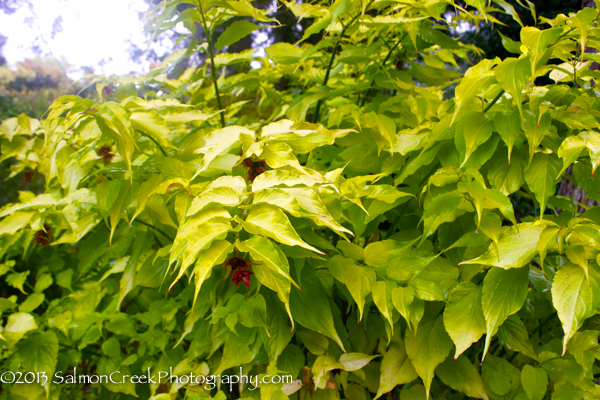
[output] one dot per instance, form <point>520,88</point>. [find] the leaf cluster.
<point>364,205</point>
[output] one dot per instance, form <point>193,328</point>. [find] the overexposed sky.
<point>94,33</point>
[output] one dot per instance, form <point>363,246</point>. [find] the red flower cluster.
<point>108,90</point>
<point>106,153</point>
<point>43,236</point>
<point>240,270</point>
<point>255,168</point>
<point>28,177</point>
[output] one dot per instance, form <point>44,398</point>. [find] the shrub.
<point>345,211</point>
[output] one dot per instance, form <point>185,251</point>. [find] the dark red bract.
<point>255,168</point>
<point>247,162</point>
<point>240,269</point>
<point>108,90</point>
<point>43,236</point>
<point>28,177</point>
<point>106,153</point>
<point>242,276</point>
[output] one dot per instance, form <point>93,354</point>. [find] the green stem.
<point>494,101</point>
<point>155,142</point>
<point>157,229</point>
<point>213,70</point>
<point>335,50</point>
<point>542,324</point>
<point>382,65</point>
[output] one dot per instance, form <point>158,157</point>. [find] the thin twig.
<point>382,65</point>
<point>212,65</point>
<point>494,101</point>
<point>335,50</point>
<point>157,229</point>
<point>155,142</point>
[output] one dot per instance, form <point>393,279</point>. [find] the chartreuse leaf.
<point>508,125</point>
<point>39,353</point>
<point>279,334</point>
<point>126,193</point>
<point>537,42</point>
<point>354,361</point>
<point>499,376</point>
<point>510,45</point>
<point>402,298</point>
<point>593,145</point>
<point>306,10</point>
<point>277,283</point>
<point>15,222</point>
<point>540,177</point>
<point>510,10</point>
<point>443,208</point>
<point>577,255</point>
<point>428,348</point>
<point>478,193</point>
<point>302,137</point>
<point>572,297</point>
<point>184,114</point>
<point>476,80</point>
<point>396,368</point>
<point>358,279</point>
<point>321,367</point>
<point>113,122</point>
<point>301,203</point>
<point>284,178</point>
<point>548,240</point>
<point>584,22</point>
<point>224,59</point>
<point>41,202</point>
<point>280,155</point>
<point>153,125</point>
<point>513,74</point>
<point>569,151</point>
<point>351,250</point>
<point>207,259</point>
<point>197,232</point>
<point>384,132</point>
<point>491,226</point>
<point>473,129</point>
<point>263,250</point>
<point>237,351</point>
<point>316,343</point>
<point>217,143</point>
<point>224,196</point>
<point>284,53</point>
<point>17,325</point>
<point>142,242</point>
<point>310,306</point>
<point>513,334</point>
<point>516,247</point>
<point>380,254</point>
<point>503,294</point>
<point>427,290</point>
<point>463,316</point>
<point>382,297</point>
<point>461,375</point>
<point>234,32</point>
<point>536,128</point>
<point>535,382</point>
<point>588,182</point>
<point>270,221</point>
